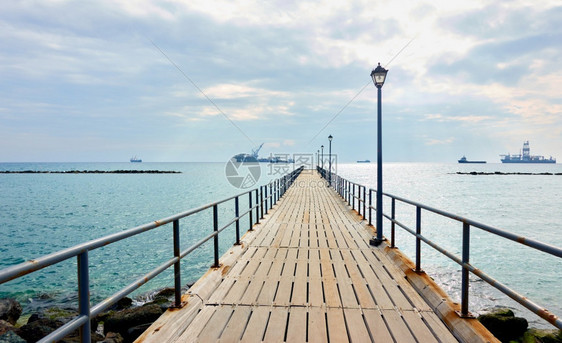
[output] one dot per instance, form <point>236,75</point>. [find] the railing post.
<point>265,197</point>
<point>359,199</point>
<point>359,206</point>
<point>84,296</point>
<point>177,270</point>
<point>353,197</point>
<point>393,224</point>
<point>216,238</point>
<point>251,210</point>
<point>261,202</point>
<point>338,184</point>
<point>276,191</point>
<point>465,275</point>
<point>237,214</point>
<point>364,201</point>
<point>370,205</point>
<point>257,206</point>
<point>418,240</point>
<point>348,193</point>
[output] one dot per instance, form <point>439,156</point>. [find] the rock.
<point>121,322</point>
<point>542,336</point>
<point>42,326</point>
<point>75,338</point>
<point>11,337</point>
<point>164,303</point>
<point>5,327</point>
<point>10,310</point>
<point>62,314</point>
<point>166,293</point>
<point>124,303</point>
<point>113,337</point>
<point>34,317</point>
<point>37,329</point>
<point>504,325</point>
<point>134,332</point>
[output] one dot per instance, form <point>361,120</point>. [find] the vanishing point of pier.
<point>307,273</point>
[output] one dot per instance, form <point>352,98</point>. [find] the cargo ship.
<point>526,157</point>
<point>464,160</point>
<point>135,159</point>
<point>364,161</point>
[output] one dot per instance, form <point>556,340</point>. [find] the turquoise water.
<point>43,213</point>
<point>529,206</point>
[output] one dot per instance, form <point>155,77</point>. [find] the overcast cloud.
<point>105,80</point>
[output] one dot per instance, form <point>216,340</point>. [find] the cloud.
<point>434,141</point>
<point>448,118</point>
<point>237,91</point>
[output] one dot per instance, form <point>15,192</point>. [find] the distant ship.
<point>464,160</point>
<point>526,157</point>
<point>364,161</point>
<point>135,159</point>
<point>254,157</point>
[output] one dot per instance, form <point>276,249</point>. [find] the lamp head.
<point>330,138</point>
<point>379,76</point>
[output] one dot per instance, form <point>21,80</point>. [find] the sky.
<point>203,80</point>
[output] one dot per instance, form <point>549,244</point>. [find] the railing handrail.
<point>544,247</point>
<point>277,188</point>
<point>341,185</point>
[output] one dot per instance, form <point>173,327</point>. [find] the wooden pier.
<point>306,273</point>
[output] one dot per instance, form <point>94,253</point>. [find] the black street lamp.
<point>322,147</point>
<point>330,161</point>
<point>318,158</point>
<point>379,75</point>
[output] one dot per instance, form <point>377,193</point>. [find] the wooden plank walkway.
<point>305,274</point>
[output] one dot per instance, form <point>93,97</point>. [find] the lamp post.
<point>322,158</point>
<point>330,161</point>
<point>379,75</point>
<point>318,158</point>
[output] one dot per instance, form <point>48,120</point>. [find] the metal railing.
<point>264,201</point>
<point>360,199</point>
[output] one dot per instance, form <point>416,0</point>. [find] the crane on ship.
<point>253,157</point>
<point>255,152</point>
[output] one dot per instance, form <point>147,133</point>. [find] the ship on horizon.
<point>254,157</point>
<point>135,159</point>
<point>526,157</point>
<point>464,160</point>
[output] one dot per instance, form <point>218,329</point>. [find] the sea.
<point>42,213</point>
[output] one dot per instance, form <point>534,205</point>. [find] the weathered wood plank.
<point>356,325</point>
<point>336,325</point>
<point>397,327</point>
<point>418,327</point>
<point>275,331</point>
<point>255,329</point>
<point>317,330</point>
<point>377,327</point>
<point>216,324</point>
<point>296,330</point>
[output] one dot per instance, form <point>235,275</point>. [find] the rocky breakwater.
<point>121,324</point>
<point>508,328</point>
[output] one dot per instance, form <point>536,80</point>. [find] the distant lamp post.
<point>318,158</point>
<point>330,161</point>
<point>322,158</point>
<point>379,76</point>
